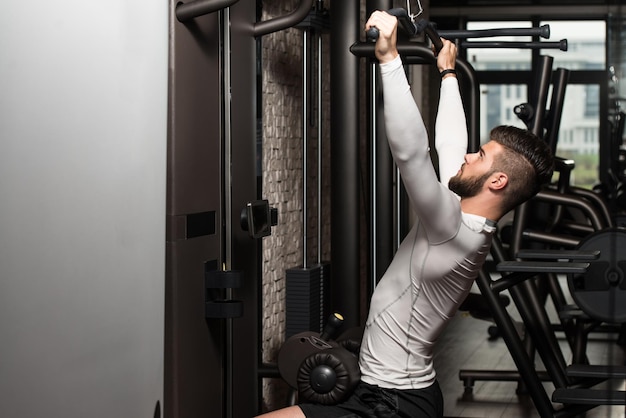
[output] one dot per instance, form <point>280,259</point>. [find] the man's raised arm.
<point>450,125</point>
<point>408,138</point>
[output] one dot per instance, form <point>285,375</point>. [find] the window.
<point>592,101</point>
<point>581,113</point>
<point>503,86</point>
<point>497,103</point>
<point>495,58</point>
<point>586,42</point>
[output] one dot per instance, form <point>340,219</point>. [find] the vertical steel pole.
<point>345,157</point>
<point>305,135</point>
<point>373,177</point>
<point>319,146</point>
<point>381,172</point>
<point>228,233</point>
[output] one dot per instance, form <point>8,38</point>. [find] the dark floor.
<point>466,345</point>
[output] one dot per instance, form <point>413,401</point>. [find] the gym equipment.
<point>258,218</point>
<point>574,386</point>
<point>186,12</point>
<point>543,31</point>
<point>410,27</point>
<point>613,168</point>
<point>529,280</point>
<point>406,20</point>
<point>321,369</point>
<point>601,291</point>
<point>307,287</point>
<point>416,53</point>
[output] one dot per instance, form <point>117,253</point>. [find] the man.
<point>436,264</point>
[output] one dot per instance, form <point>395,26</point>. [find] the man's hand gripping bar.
<point>410,28</point>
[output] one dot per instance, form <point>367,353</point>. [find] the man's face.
<point>475,171</point>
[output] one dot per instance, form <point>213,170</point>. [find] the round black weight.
<point>601,291</point>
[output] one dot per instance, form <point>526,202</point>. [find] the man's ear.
<point>498,180</point>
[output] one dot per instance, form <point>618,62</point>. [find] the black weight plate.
<point>601,292</point>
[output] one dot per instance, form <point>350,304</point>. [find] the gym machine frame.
<point>227,279</point>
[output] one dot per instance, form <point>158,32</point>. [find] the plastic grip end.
<point>372,33</point>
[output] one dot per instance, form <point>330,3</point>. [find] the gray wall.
<point>83,115</point>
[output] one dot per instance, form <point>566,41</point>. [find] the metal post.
<point>345,156</point>
<point>228,231</point>
<point>319,146</point>
<point>305,135</point>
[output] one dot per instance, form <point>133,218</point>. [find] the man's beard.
<point>467,187</point>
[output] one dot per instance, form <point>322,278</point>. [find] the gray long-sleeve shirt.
<point>438,260</point>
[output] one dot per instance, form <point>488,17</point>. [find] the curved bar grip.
<point>410,28</point>
<point>429,29</point>
<point>283,22</point>
<point>404,21</point>
<point>372,34</point>
<point>187,11</point>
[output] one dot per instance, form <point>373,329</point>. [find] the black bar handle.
<point>410,28</point>
<point>542,31</point>
<point>404,22</point>
<point>562,44</point>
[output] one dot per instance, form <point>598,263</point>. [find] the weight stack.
<point>303,300</point>
<point>324,292</point>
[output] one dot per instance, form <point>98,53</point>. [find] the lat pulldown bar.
<point>562,44</point>
<point>423,26</point>
<point>410,27</point>
<point>541,31</point>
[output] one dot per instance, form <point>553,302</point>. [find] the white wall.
<point>83,120</point>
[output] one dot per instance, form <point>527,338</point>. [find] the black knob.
<point>323,379</point>
<point>332,325</point>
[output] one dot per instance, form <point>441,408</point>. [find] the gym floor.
<point>465,344</point>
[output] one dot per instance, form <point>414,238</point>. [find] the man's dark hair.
<point>526,159</point>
